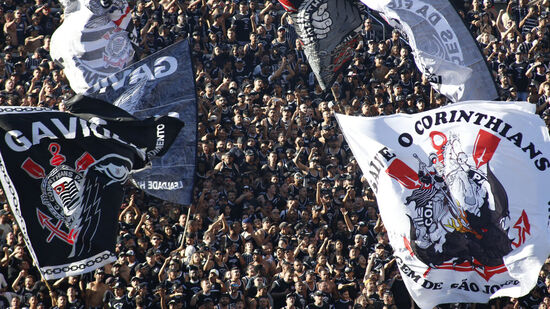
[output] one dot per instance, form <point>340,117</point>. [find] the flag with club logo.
<point>442,46</point>
<point>462,191</point>
<point>94,40</point>
<point>328,32</point>
<point>63,173</point>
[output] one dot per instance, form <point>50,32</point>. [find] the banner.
<point>327,29</point>
<point>442,46</point>
<point>62,174</point>
<point>93,41</point>
<point>463,193</point>
<point>157,85</point>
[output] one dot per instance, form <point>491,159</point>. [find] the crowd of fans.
<point>282,217</point>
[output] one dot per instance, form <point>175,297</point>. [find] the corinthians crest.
<point>72,194</point>
<point>458,209</point>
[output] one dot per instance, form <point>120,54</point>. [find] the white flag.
<point>442,46</point>
<point>463,193</point>
<point>93,41</point>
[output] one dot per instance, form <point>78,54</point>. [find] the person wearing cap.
<point>227,166</point>
<point>388,299</point>
<point>290,301</point>
<point>349,283</point>
<point>120,299</point>
<point>217,285</point>
<point>281,44</point>
<point>134,286</point>
<point>93,295</point>
<point>143,297</point>
<point>318,301</point>
<point>518,69</point>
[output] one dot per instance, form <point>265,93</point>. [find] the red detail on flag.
<point>408,245</point>
<point>59,188</point>
<point>485,146</point>
<point>524,227</point>
<point>119,21</point>
<point>33,169</point>
<point>486,272</point>
<point>288,6</point>
<point>57,159</point>
<point>55,230</point>
<point>83,162</point>
<point>405,175</point>
<point>343,54</point>
<point>438,145</point>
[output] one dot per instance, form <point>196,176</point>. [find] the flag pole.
<point>182,244</point>
<point>45,281</point>
<point>50,290</point>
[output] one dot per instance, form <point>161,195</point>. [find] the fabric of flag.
<point>327,30</point>
<point>463,193</point>
<point>442,46</point>
<point>93,41</point>
<point>160,84</point>
<point>62,174</point>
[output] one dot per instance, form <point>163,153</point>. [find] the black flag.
<point>327,28</point>
<point>62,174</point>
<point>158,85</point>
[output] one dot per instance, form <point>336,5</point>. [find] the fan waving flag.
<point>62,174</point>
<point>442,46</point>
<point>462,191</point>
<point>327,29</point>
<point>93,41</point>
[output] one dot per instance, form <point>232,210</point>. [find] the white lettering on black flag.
<point>157,85</point>
<point>442,46</point>
<point>327,30</point>
<point>62,174</point>
<point>463,193</point>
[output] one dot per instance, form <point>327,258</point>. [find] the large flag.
<point>157,85</point>
<point>62,174</point>
<point>93,41</point>
<point>328,31</point>
<point>442,46</point>
<point>463,193</point>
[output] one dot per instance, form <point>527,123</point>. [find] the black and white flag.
<point>62,174</point>
<point>463,193</point>
<point>94,40</point>
<point>327,28</point>
<point>442,46</point>
<point>160,84</point>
